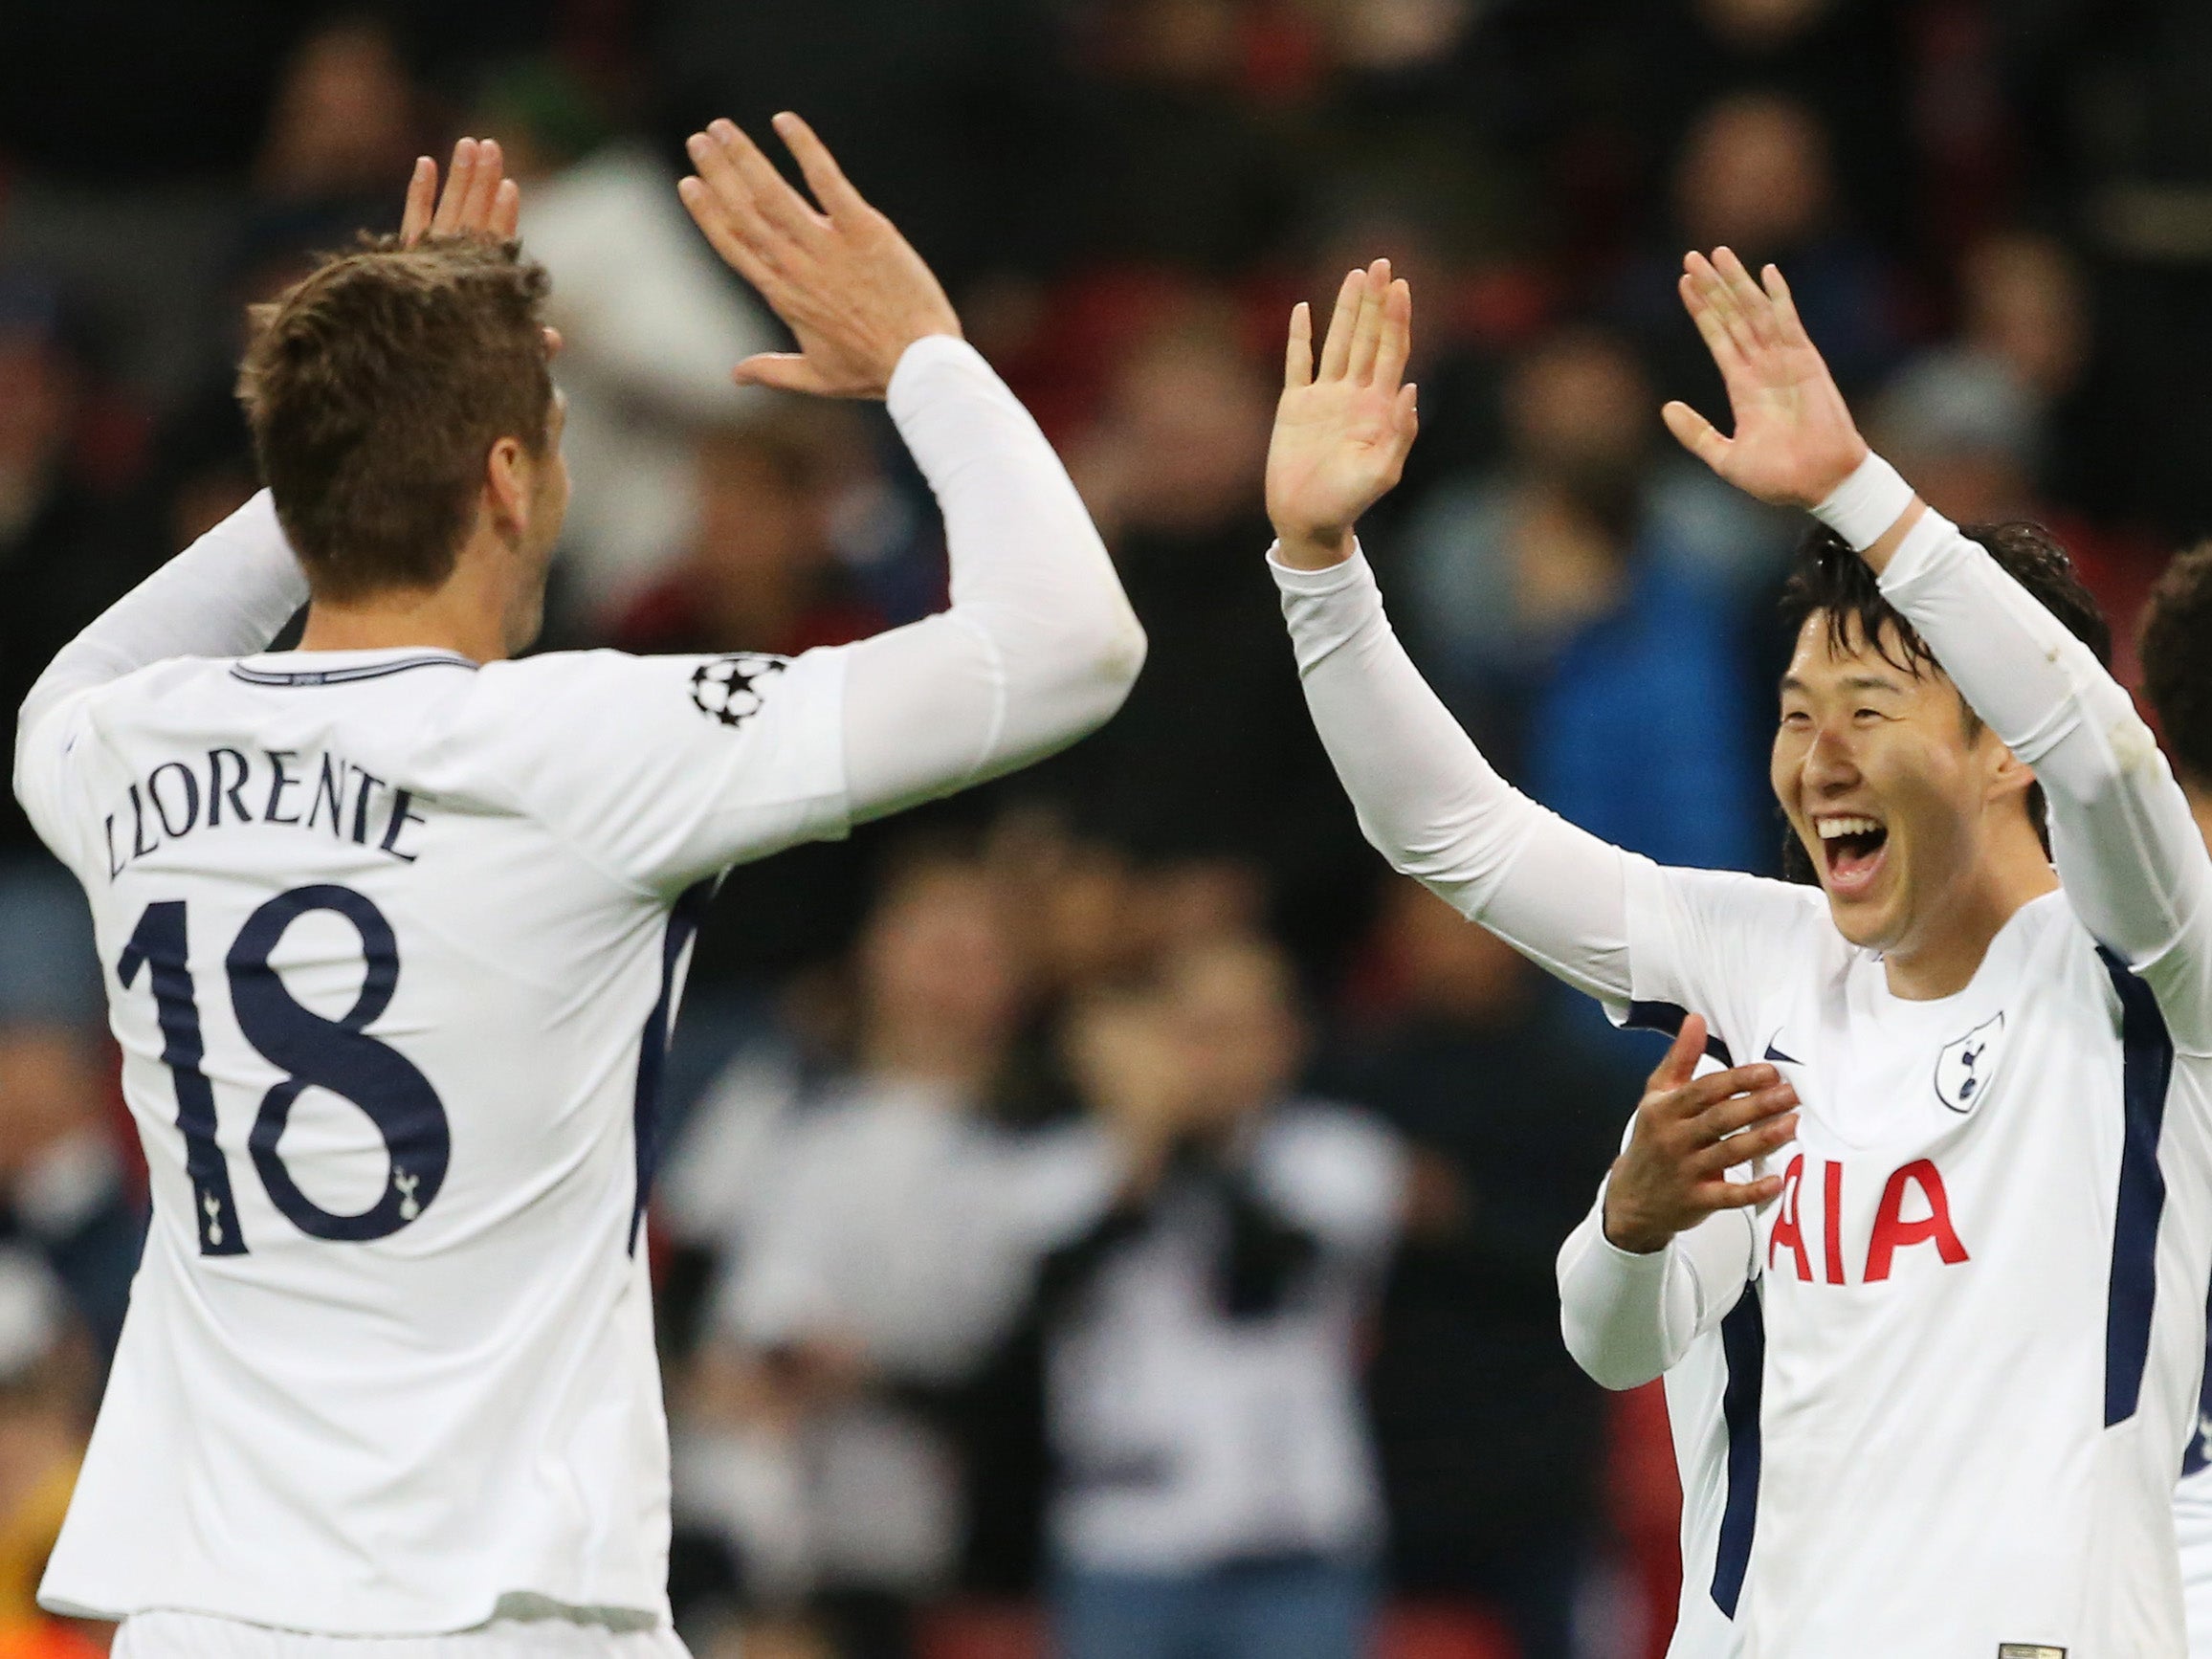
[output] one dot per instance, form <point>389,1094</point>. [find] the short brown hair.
<point>2177,649</point>
<point>375,388</point>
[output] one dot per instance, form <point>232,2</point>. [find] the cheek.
<point>1927,789</point>
<point>1784,765</point>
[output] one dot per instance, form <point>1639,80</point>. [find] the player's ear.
<point>2009,776</point>
<point>509,473</point>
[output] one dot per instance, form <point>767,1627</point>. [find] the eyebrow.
<point>1850,682</point>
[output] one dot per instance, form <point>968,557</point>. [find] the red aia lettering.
<point>1832,1217</point>
<point>1785,1220</point>
<point>1892,1232</point>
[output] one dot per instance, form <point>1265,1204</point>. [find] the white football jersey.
<point>2193,1526</point>
<point>1712,1416</point>
<point>1931,1337</point>
<point>1711,1386</point>
<point>394,942</point>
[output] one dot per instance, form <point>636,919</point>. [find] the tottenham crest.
<point>1964,1068</point>
<point>730,688</point>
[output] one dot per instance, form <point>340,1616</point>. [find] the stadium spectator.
<point>761,572</point>
<point>1214,1491</point>
<point>62,561</point>
<point>1490,1436</point>
<point>1973,420</point>
<point>47,1392</point>
<point>1170,80</point>
<point>344,123</point>
<point>1561,601</point>
<point>954,118</point>
<point>855,1291</point>
<point>1203,762</point>
<point>1755,173</point>
<point>65,1193</point>
<point>1654,68</point>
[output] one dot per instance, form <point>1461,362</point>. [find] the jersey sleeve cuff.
<point>1352,572</point>
<point>1628,1265</point>
<point>917,370</point>
<point>1862,508</point>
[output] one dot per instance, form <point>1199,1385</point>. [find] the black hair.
<point>2176,650</point>
<point>1830,579</point>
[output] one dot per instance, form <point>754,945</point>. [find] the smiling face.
<point>1903,801</point>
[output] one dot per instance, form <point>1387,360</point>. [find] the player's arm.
<point>1427,798</point>
<point>1669,1247</point>
<point>2125,844</point>
<point>1040,646</point>
<point>232,590</point>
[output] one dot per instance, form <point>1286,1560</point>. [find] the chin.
<point>1865,923</point>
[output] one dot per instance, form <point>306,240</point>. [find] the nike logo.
<point>1775,1054</point>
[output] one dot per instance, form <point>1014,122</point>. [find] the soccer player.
<point>1971,1363</point>
<point>2176,652</point>
<point>397,927</point>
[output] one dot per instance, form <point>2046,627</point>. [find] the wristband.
<point>1867,503</point>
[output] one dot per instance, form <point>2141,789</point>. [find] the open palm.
<point>1342,428</point>
<point>1795,440</point>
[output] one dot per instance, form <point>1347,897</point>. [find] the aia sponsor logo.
<point>1803,1226</point>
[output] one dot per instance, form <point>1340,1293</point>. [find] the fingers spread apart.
<point>477,200</point>
<point>1370,335</point>
<point>824,176</point>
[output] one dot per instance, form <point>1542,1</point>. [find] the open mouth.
<point>1853,845</point>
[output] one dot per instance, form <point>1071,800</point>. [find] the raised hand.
<point>477,200</point>
<point>1342,431</point>
<point>849,287</point>
<point>1795,440</point>
<point>1689,1132</point>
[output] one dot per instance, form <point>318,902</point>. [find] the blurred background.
<point>1107,1213</point>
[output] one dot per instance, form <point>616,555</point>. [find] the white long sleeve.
<point>1431,804</point>
<point>228,594</point>
<point>1040,646</point>
<point>2133,865</point>
<point>1628,1318</point>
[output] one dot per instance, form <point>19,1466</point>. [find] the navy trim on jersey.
<point>344,676</point>
<point>1743,1341</point>
<point>2146,1066</point>
<point>683,924</point>
<point>2193,1457</point>
<point>1668,1017</point>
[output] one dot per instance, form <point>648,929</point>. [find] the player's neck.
<point>1947,947</point>
<point>458,616</point>
<point>2200,806</point>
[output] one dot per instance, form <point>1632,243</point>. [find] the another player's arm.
<point>232,590</point>
<point>2125,844</point>
<point>1040,646</point>
<point>1669,1247</point>
<point>1427,798</point>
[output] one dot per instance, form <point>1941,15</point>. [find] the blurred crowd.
<point>1108,1213</point>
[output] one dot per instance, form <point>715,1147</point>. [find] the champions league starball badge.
<point>730,688</point>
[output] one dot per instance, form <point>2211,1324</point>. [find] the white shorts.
<point>166,1635</point>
